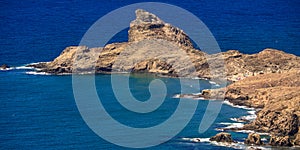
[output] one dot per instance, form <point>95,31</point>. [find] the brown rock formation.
<point>151,48</point>
<point>269,80</point>
<point>222,137</point>
<point>279,97</point>
<point>147,26</point>
<point>4,66</point>
<point>253,138</point>
<point>280,141</point>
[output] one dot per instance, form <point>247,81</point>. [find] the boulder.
<point>253,138</point>
<point>222,137</point>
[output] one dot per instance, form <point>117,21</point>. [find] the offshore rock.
<point>253,138</point>
<point>222,137</point>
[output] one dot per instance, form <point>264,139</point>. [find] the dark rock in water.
<point>222,137</point>
<point>253,138</point>
<point>4,66</point>
<point>280,141</point>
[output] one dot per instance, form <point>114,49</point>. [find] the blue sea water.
<point>39,112</point>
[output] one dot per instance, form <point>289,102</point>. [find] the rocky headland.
<point>144,33</point>
<point>268,80</point>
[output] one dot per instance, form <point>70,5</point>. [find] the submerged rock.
<point>253,138</point>
<point>222,137</point>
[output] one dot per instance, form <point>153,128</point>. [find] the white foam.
<point>37,63</point>
<point>24,68</point>
<point>232,125</point>
<point>196,139</point>
<point>176,96</point>
<point>236,106</point>
<point>6,69</point>
<point>37,73</point>
<point>251,131</point>
<point>264,139</point>
<point>249,117</point>
<point>237,145</point>
<point>212,82</point>
<point>237,119</point>
<point>252,112</point>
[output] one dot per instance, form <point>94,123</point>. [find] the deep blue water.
<point>39,112</point>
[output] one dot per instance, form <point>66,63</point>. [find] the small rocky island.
<point>269,80</point>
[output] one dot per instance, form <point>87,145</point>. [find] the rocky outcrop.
<point>278,97</point>
<point>280,141</point>
<point>4,67</point>
<point>222,137</point>
<point>253,138</point>
<point>147,26</point>
<point>276,122</point>
<point>297,139</point>
<point>157,47</point>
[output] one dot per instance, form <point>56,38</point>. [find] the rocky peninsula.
<point>269,80</point>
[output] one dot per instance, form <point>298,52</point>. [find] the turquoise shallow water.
<point>39,112</point>
<point>46,116</point>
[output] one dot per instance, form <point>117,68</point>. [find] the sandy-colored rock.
<point>253,138</point>
<point>157,47</point>
<point>275,122</point>
<point>280,141</point>
<point>222,137</point>
<point>147,26</point>
<point>297,139</point>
